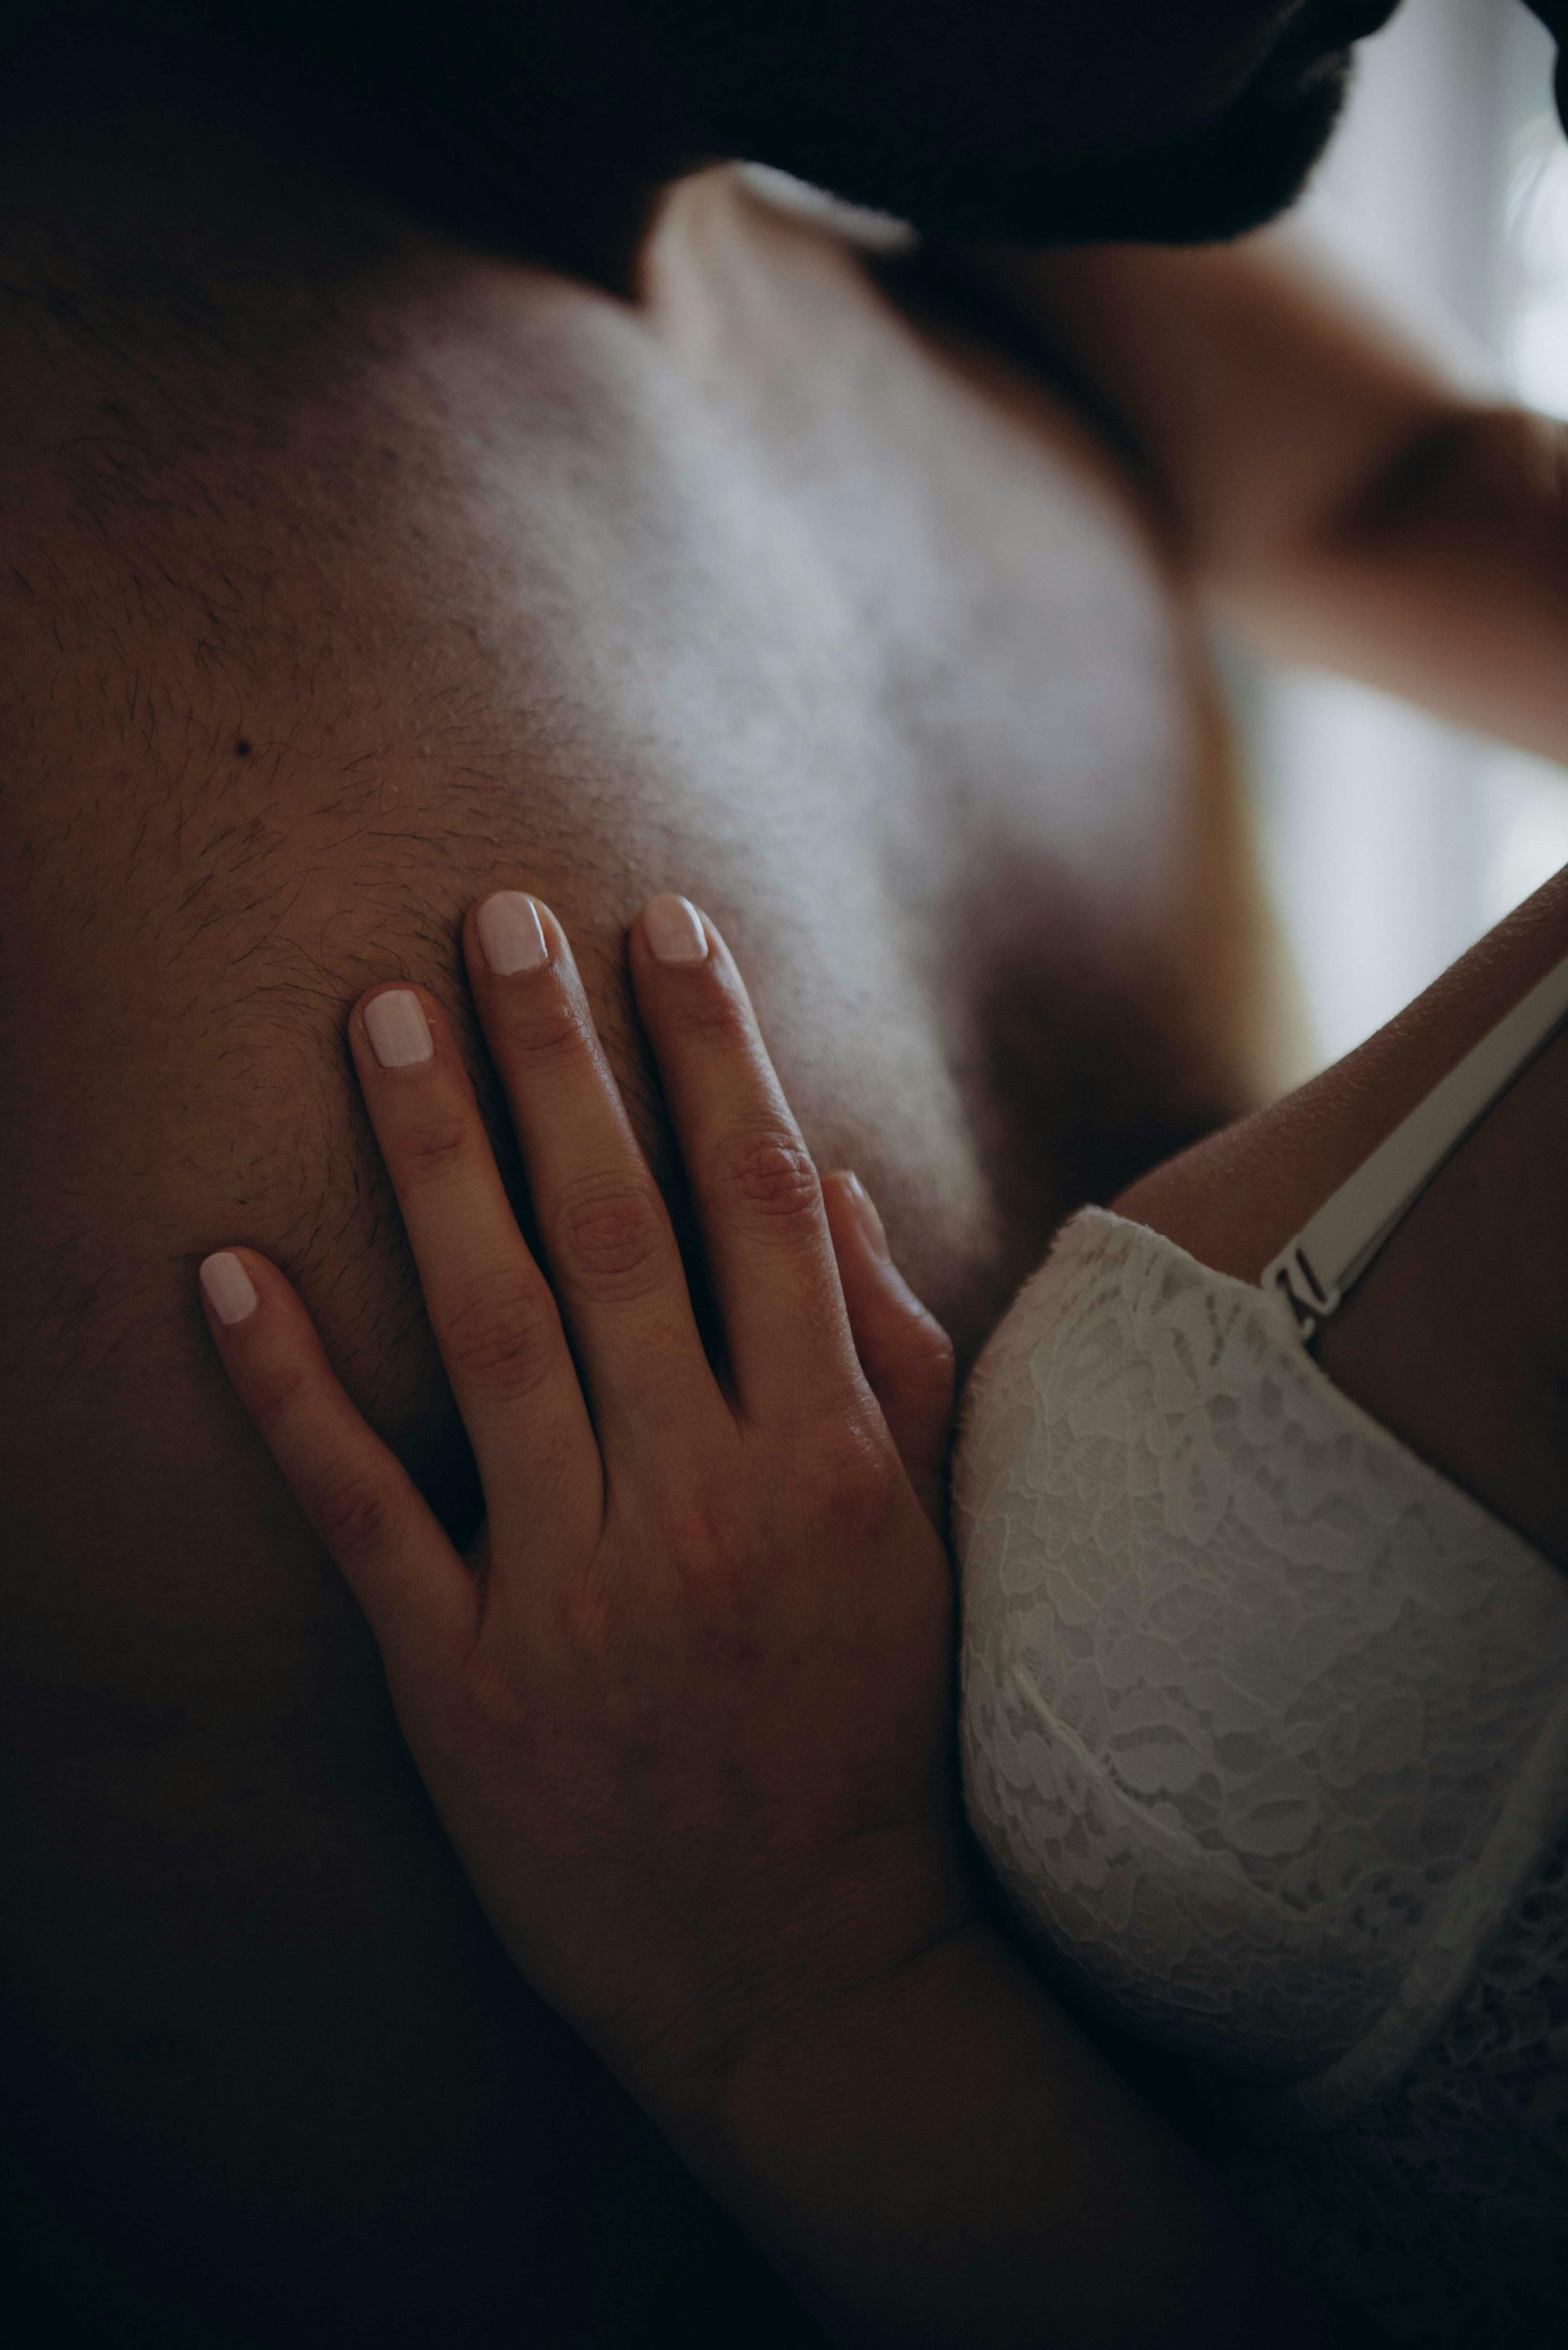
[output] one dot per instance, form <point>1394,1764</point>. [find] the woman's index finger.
<point>418,1596</point>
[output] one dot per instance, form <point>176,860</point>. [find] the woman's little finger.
<point>905,1353</point>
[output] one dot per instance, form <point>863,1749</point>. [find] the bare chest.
<point>316,624</point>
<point>851,640</point>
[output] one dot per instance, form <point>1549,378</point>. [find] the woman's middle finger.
<point>611,1251</point>
<point>757,1194</point>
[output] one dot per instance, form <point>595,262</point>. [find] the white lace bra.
<point>1265,1722</point>
<point>1265,1734</point>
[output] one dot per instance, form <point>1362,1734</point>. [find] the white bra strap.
<point>1330,1255</point>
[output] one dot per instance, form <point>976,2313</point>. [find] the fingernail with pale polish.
<point>511,935</point>
<point>673,932</point>
<point>870,1223</point>
<point>399,1032</point>
<point>230,1291</point>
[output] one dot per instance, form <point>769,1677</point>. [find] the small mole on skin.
<point>241,749</point>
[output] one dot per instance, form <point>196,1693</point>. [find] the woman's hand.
<point>686,1712</point>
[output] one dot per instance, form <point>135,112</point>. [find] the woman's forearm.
<point>942,2159</point>
<point>1340,491</point>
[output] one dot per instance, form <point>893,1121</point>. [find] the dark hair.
<point>1040,119</point>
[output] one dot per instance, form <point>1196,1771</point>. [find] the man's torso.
<point>348,576</point>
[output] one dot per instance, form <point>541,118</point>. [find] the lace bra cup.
<point>1264,1722</point>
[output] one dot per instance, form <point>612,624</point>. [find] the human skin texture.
<point>353,570</point>
<point>686,1709</point>
<point>354,574</point>
<point>1454,1336</point>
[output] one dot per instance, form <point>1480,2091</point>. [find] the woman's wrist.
<point>826,2132</point>
<point>790,1972</point>
<point>804,2070</point>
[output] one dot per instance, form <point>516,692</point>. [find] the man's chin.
<point>1241,172</point>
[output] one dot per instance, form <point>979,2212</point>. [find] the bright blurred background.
<point>1393,840</point>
